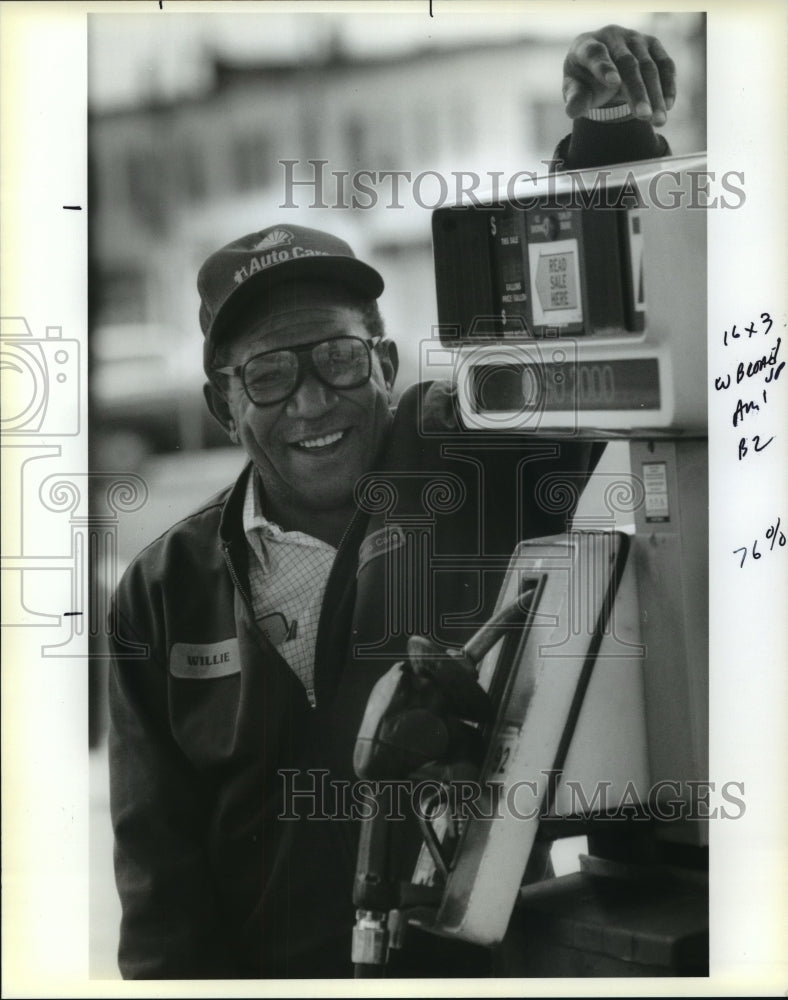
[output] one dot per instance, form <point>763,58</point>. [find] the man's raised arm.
<point>618,84</point>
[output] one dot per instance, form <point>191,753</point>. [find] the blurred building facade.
<point>173,180</point>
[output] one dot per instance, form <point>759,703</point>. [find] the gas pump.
<point>574,308</point>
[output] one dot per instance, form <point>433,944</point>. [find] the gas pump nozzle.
<point>426,710</point>
<point>418,710</point>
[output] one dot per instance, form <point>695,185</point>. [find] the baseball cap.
<point>238,276</point>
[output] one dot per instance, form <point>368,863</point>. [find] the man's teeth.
<point>321,442</point>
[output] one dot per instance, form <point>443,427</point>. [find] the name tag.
<point>202,661</point>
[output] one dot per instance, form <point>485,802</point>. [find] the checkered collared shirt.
<point>288,571</point>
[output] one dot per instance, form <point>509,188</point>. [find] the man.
<point>270,612</point>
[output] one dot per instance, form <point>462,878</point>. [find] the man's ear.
<point>217,404</point>
<point>389,361</point>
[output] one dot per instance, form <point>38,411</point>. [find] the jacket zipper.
<point>357,514</point>
<point>237,580</point>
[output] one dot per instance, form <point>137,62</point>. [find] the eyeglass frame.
<point>371,343</point>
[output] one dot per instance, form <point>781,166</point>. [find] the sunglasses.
<point>273,376</point>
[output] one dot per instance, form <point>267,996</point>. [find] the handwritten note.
<point>752,378</point>
<point>772,536</point>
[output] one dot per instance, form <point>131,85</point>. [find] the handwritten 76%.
<point>773,536</point>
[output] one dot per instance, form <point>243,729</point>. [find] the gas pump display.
<point>586,322</point>
<point>594,315</point>
<point>617,384</point>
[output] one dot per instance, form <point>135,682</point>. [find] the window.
<point>310,136</point>
<point>545,121</point>
<point>426,127</point>
<point>144,180</point>
<point>355,143</point>
<point>191,173</point>
<point>120,296</point>
<point>252,163</point>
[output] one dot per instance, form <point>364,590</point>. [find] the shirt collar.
<point>258,528</point>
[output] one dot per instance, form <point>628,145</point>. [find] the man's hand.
<point>616,65</point>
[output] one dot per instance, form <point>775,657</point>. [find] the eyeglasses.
<point>273,376</point>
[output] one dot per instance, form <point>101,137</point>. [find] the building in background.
<point>174,178</point>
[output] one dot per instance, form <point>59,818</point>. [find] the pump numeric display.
<point>585,385</point>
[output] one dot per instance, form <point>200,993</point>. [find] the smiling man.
<point>301,377</point>
<point>309,381</point>
<point>268,615</point>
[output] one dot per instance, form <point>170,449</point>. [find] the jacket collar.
<point>231,522</point>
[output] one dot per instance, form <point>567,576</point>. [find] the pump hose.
<point>489,634</point>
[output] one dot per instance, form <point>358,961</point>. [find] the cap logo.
<point>275,239</point>
<point>273,257</point>
<point>263,253</point>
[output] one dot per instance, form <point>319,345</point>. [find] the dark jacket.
<point>213,882</point>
